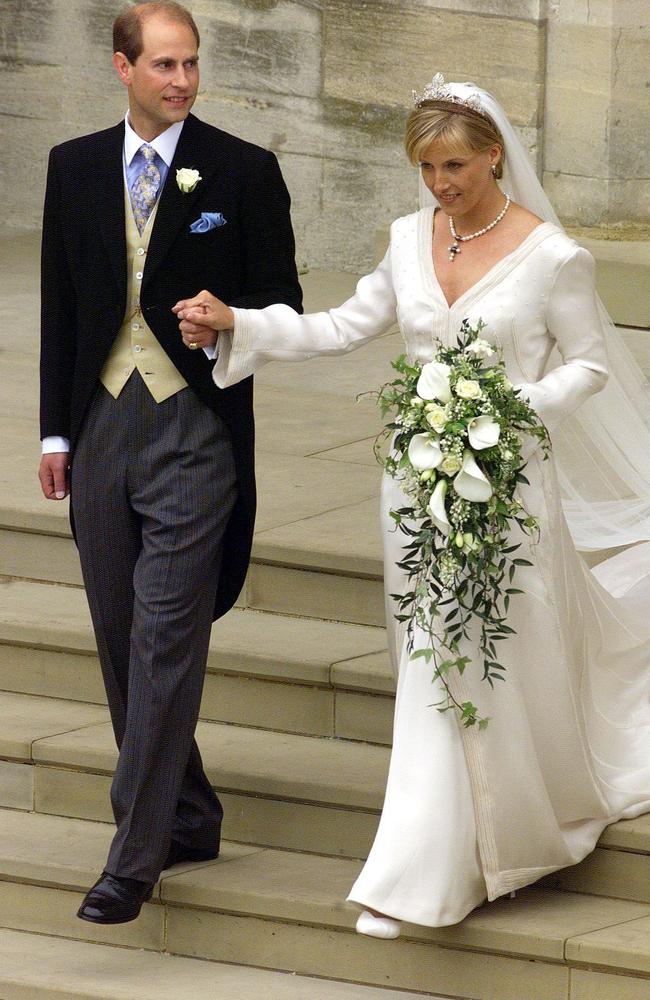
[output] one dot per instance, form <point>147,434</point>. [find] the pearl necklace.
<point>454,249</point>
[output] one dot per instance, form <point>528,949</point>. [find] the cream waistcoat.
<point>135,345</point>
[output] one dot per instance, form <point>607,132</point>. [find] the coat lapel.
<point>175,207</point>
<point>110,202</point>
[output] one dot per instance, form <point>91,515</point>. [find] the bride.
<point>471,814</point>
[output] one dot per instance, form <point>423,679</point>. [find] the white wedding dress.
<point>473,814</point>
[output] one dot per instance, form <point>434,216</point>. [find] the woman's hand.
<point>201,318</point>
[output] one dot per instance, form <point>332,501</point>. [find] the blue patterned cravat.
<point>145,188</point>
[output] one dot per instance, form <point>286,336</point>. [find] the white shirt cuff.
<point>212,352</point>
<point>52,444</point>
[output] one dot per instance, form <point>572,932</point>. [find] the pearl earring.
<point>494,171</point>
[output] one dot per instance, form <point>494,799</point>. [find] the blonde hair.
<point>461,129</point>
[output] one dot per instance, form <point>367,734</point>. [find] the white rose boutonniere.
<point>187,179</point>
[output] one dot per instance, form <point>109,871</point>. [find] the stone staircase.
<point>295,727</point>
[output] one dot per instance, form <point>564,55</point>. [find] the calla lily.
<point>424,452</point>
<point>470,483</point>
<point>433,382</point>
<point>436,507</point>
<point>483,432</point>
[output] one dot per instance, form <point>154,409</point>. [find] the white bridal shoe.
<point>379,927</point>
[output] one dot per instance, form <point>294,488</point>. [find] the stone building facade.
<point>326,84</point>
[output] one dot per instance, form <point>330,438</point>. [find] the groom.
<point>158,461</point>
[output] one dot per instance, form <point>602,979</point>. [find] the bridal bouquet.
<point>457,430</point>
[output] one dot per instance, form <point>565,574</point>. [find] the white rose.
<point>424,452</point>
<point>468,388</point>
<point>187,179</point>
<point>434,382</point>
<point>450,465</point>
<point>437,416</point>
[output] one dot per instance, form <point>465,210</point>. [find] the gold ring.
<point>193,346</point>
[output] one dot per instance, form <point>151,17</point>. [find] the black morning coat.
<point>248,262</point>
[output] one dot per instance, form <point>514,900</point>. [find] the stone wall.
<point>326,85</point>
<point>597,117</point>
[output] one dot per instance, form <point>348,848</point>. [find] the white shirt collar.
<point>164,144</point>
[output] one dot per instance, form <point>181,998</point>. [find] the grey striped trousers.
<point>153,486</point>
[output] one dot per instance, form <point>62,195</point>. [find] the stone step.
<point>286,911</point>
<point>273,671</point>
<point>620,865</point>
<point>302,579</point>
<point>37,967</point>
<point>278,789</point>
<point>314,592</point>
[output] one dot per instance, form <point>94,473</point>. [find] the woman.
<point>470,814</point>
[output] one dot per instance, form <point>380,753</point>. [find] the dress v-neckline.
<point>492,276</point>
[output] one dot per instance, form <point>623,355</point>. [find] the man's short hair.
<point>127,29</point>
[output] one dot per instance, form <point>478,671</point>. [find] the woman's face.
<point>459,182</point>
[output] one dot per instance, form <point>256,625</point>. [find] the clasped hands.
<point>201,319</point>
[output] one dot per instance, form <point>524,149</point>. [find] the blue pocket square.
<point>208,221</point>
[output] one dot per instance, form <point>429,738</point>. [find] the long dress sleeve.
<point>277,333</point>
<point>574,322</point>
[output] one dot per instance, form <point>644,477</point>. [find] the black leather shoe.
<point>114,900</point>
<point>180,855</point>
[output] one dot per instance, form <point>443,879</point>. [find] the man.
<point>158,461</point>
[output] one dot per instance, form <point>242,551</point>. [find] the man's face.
<point>164,80</point>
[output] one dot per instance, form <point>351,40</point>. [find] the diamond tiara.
<point>438,90</point>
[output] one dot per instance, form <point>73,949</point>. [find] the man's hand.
<point>201,318</point>
<point>54,475</point>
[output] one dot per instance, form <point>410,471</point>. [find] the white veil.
<point>602,451</point>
